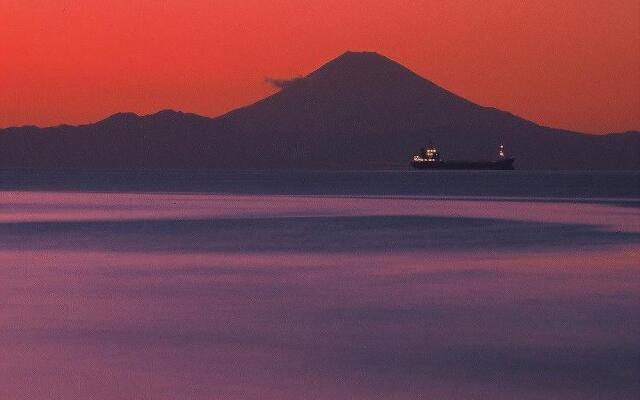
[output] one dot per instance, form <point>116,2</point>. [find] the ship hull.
<point>506,164</point>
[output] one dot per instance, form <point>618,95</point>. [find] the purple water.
<point>123,295</point>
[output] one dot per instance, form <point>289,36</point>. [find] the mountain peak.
<point>169,115</point>
<point>367,86</point>
<point>368,69</point>
<point>120,117</point>
<point>363,60</point>
<point>361,55</point>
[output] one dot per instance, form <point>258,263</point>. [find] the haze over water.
<point>319,285</point>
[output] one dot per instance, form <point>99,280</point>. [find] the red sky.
<point>572,63</point>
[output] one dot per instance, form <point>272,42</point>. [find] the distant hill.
<point>360,110</point>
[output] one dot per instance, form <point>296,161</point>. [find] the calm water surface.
<point>319,285</point>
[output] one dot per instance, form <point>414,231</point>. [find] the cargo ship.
<point>429,158</point>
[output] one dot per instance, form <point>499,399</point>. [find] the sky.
<point>572,64</point>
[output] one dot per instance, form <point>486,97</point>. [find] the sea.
<point>319,285</point>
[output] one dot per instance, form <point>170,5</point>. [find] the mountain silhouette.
<point>360,110</point>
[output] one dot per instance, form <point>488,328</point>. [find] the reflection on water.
<point>199,296</point>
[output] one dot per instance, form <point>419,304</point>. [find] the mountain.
<point>360,110</point>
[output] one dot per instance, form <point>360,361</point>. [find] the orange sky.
<point>568,63</point>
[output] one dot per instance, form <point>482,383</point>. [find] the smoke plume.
<point>282,83</point>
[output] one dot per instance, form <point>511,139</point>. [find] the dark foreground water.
<point>319,285</point>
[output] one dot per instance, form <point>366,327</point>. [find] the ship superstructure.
<point>429,158</point>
